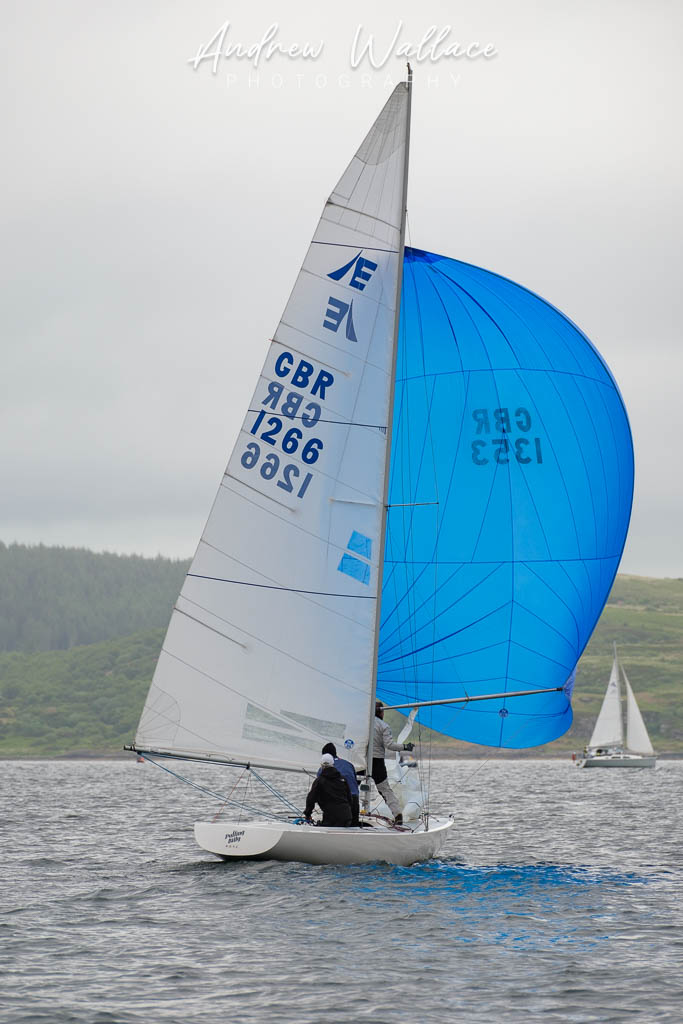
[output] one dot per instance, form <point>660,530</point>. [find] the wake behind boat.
<point>607,748</point>
<point>427,503</point>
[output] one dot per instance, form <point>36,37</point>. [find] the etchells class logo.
<point>366,50</point>
<point>359,271</point>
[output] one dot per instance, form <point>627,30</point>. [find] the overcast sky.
<point>155,217</point>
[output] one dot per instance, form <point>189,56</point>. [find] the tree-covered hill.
<point>644,617</point>
<point>88,698</point>
<point>83,701</point>
<point>54,598</point>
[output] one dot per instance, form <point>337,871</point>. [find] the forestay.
<point>510,492</point>
<point>269,650</point>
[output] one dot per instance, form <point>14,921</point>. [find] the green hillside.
<point>645,618</point>
<point>87,698</point>
<point>56,598</point>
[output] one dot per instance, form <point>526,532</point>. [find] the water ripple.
<point>556,900</point>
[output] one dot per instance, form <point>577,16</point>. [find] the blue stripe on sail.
<point>511,481</point>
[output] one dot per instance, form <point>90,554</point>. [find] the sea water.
<point>557,898</point>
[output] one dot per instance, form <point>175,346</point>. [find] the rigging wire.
<point>276,792</point>
<point>226,800</point>
<point>220,809</point>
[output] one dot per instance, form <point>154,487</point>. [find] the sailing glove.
<point>408,746</point>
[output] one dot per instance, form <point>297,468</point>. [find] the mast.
<point>387,450</point>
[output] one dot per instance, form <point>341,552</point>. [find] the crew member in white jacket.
<point>382,742</point>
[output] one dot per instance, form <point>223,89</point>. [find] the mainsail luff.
<point>390,423</point>
<point>270,647</point>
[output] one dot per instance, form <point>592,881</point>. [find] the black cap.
<point>329,748</point>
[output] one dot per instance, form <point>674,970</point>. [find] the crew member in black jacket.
<point>331,793</point>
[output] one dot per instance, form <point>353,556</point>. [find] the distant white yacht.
<point>606,748</point>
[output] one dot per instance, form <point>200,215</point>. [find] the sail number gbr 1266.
<point>284,423</point>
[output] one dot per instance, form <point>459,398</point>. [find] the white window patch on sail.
<point>265,717</point>
<point>271,737</point>
<point>265,727</point>
<point>329,730</point>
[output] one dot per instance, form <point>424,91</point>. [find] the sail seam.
<point>243,696</point>
<point>563,602</point>
<point>558,335</point>
<point>273,586</point>
<point>442,639</point>
<point>461,597</point>
<point>323,341</point>
<point>213,629</point>
<point>608,384</point>
<point>347,288</point>
<point>524,561</point>
<point>331,611</point>
<point>360,213</point>
<point>353,245</point>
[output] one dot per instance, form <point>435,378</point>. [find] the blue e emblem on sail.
<point>335,313</point>
<point>362,268</point>
<point>357,568</point>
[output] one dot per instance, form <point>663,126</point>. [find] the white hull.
<point>618,761</point>
<point>315,845</point>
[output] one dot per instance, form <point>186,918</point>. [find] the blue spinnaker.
<point>511,482</point>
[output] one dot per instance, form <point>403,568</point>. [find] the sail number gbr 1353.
<point>515,444</point>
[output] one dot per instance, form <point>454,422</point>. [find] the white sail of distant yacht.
<point>606,748</point>
<point>637,739</point>
<point>374,536</point>
<point>609,729</point>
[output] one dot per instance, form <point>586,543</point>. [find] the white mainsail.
<point>270,647</point>
<point>637,738</point>
<point>609,730</point>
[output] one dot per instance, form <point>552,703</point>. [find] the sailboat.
<point>427,504</point>
<point>606,748</point>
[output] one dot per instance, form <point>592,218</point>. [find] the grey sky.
<point>155,218</point>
